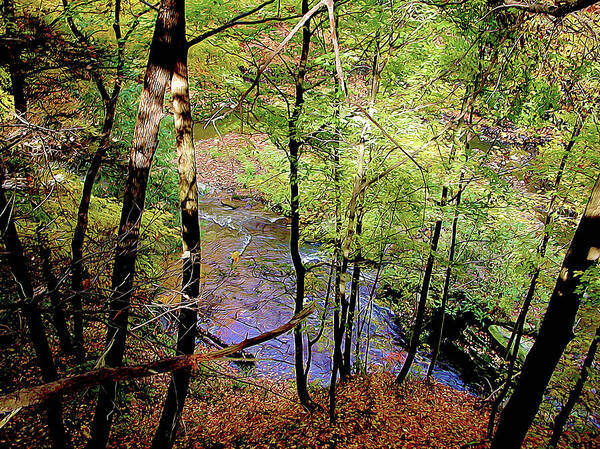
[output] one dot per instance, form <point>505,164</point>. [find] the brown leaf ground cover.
<point>231,409</point>
<point>219,165</point>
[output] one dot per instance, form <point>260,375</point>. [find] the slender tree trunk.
<point>414,340</point>
<point>514,341</point>
<point>353,211</point>
<point>190,232</point>
<point>16,70</point>
<point>354,298</point>
<point>343,322</point>
<point>561,419</point>
<point>341,306</point>
<point>337,256</point>
<point>313,341</point>
<point>361,367</point>
<point>466,116</point>
<point>294,158</point>
<point>58,314</point>
<point>447,279</point>
<point>555,333</point>
<point>161,61</point>
<point>518,329</point>
<point>355,215</point>
<point>77,268</point>
<point>110,107</point>
<point>37,332</point>
<point>339,323</point>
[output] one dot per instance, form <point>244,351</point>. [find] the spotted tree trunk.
<point>190,235</point>
<point>161,61</point>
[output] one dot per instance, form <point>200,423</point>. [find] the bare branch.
<point>233,22</point>
<point>40,393</point>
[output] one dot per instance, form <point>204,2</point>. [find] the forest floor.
<point>219,166</point>
<point>228,408</point>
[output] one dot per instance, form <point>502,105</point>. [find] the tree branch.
<point>557,10</point>
<point>233,22</point>
<point>40,393</point>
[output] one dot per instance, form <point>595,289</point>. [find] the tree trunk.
<point>110,106</point>
<point>343,322</point>
<point>515,337</point>
<point>518,328</point>
<point>190,234</point>
<point>355,215</point>
<point>58,314</point>
<point>337,256</point>
<point>556,331</point>
<point>161,60</point>
<point>18,267</point>
<point>294,157</point>
<point>561,419</point>
<point>354,299</point>
<point>414,340</point>
<point>447,278</point>
<point>77,268</point>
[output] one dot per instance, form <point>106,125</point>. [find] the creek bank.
<point>250,282</point>
<point>249,275</point>
<point>474,347</point>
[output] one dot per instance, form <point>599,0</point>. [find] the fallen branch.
<point>560,9</point>
<point>41,393</point>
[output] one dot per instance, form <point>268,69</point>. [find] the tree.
<point>190,236</point>
<point>556,330</point>
<point>414,339</point>
<point>33,316</point>
<point>294,145</point>
<point>161,60</point>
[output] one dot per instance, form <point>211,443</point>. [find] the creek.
<point>248,288</point>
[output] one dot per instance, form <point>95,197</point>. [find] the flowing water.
<point>249,288</point>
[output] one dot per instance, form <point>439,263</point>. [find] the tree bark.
<point>414,340</point>
<point>58,314</point>
<point>515,337</point>
<point>561,419</point>
<point>556,331</point>
<point>294,158</point>
<point>37,332</point>
<point>190,235</point>
<point>145,140</point>
<point>110,106</point>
